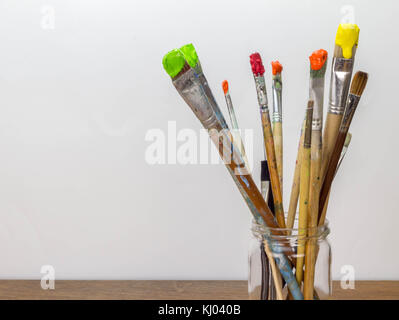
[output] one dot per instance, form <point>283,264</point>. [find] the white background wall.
<point>76,102</point>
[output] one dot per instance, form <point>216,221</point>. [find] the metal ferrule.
<point>316,93</point>
<point>277,87</point>
<point>351,105</point>
<point>339,85</point>
<point>234,122</point>
<point>208,92</point>
<point>308,122</point>
<point>261,92</point>
<point>192,91</point>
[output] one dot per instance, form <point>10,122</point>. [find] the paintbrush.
<point>343,153</point>
<point>234,122</point>
<point>258,71</point>
<point>318,65</point>
<point>277,118</point>
<point>304,192</point>
<point>187,83</point>
<point>357,87</point>
<point>266,256</point>
<point>342,65</point>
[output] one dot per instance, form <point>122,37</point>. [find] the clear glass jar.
<point>299,246</point>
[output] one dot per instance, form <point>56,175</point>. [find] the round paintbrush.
<point>277,117</point>
<point>234,122</point>
<point>258,71</point>
<point>357,87</point>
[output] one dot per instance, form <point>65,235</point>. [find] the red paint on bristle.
<point>256,64</point>
<point>277,67</point>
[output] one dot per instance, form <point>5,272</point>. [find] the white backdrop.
<point>81,83</point>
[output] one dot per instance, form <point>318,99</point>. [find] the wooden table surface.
<point>211,290</point>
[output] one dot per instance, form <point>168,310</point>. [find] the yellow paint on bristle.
<point>347,36</point>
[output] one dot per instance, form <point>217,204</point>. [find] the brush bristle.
<point>359,83</point>
<point>346,40</point>
<point>225,86</point>
<point>318,61</point>
<point>173,62</point>
<point>190,54</point>
<point>256,64</point>
<point>277,67</point>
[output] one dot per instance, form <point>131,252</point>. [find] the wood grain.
<point>173,290</point>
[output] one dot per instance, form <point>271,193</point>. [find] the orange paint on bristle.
<point>225,86</point>
<point>277,67</point>
<point>317,59</point>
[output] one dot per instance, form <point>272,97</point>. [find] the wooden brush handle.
<point>331,130</point>
<point>322,218</point>
<point>278,146</point>
<point>304,193</point>
<point>303,211</point>
<point>332,166</point>
<point>272,163</point>
<point>295,183</point>
<point>314,195</point>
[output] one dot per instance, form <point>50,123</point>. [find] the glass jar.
<point>301,247</point>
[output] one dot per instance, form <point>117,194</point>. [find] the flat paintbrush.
<point>277,117</point>
<point>346,41</point>
<point>304,193</point>
<point>318,65</point>
<point>187,83</point>
<point>258,71</point>
<point>357,87</point>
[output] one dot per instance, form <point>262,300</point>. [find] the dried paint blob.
<point>225,86</point>
<point>347,36</point>
<point>256,64</point>
<point>173,62</point>
<point>277,67</point>
<point>190,54</point>
<point>317,59</point>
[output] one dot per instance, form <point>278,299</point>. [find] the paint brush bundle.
<point>291,267</point>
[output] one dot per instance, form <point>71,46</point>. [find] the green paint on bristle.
<point>173,62</point>
<point>190,54</point>
<point>318,73</point>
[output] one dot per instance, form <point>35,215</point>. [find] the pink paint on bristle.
<point>256,64</point>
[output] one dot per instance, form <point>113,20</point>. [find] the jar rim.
<point>319,232</point>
